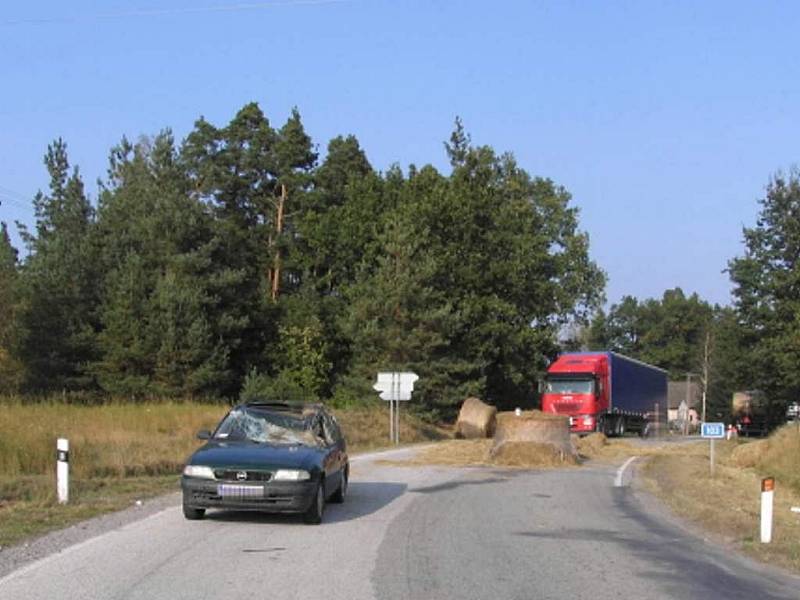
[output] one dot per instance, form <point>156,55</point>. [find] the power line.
<point>6,200</point>
<point>169,11</point>
<point>9,192</point>
<point>8,196</point>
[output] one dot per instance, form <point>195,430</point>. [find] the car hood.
<point>249,455</point>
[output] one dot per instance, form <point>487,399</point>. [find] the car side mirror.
<point>204,434</point>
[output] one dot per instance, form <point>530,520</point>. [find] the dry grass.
<point>530,454</point>
<point>118,453</point>
<point>590,446</point>
<point>450,453</point>
<point>368,428</point>
<point>529,415</point>
<point>113,440</point>
<point>777,456</point>
<point>477,453</point>
<point>123,452</point>
<point>728,504</point>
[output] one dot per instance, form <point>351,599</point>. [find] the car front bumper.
<point>275,496</point>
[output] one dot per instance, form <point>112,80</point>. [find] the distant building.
<point>684,401</point>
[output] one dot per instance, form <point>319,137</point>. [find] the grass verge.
<point>122,452</point>
<point>727,505</point>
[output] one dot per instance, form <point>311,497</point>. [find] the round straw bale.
<point>533,438</point>
<point>475,420</point>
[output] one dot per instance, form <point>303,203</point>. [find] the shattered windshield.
<point>267,428</point>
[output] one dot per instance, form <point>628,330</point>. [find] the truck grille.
<point>567,407</point>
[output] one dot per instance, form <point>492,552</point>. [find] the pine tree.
<point>160,316</point>
<point>340,223</point>
<point>458,148</point>
<point>59,294</point>
<point>11,373</point>
<point>295,159</point>
<point>234,170</point>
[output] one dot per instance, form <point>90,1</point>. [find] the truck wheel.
<point>620,426</point>
<point>645,430</point>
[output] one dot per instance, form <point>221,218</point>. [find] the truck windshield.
<point>569,386</point>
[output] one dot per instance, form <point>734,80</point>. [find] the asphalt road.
<point>413,533</point>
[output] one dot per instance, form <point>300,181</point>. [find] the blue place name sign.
<point>713,430</point>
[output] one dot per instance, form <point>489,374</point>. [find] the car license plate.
<point>240,491</point>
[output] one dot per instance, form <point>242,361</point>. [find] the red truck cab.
<point>577,386</point>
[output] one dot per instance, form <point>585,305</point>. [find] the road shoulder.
<point>655,508</point>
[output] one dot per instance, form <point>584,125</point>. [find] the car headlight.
<point>199,471</point>
<point>291,475</point>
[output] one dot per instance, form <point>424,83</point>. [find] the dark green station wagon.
<point>268,456</point>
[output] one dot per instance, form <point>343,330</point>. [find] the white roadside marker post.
<point>767,498</point>
<point>62,470</point>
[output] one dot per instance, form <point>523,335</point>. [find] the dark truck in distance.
<point>750,414</point>
<point>755,414</point>
<point>606,392</point>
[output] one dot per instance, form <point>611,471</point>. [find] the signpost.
<point>712,431</point>
<point>395,387</point>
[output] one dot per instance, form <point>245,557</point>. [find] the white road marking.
<point>621,471</point>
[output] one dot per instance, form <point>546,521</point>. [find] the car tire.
<point>193,514</point>
<point>339,496</point>
<point>313,516</point>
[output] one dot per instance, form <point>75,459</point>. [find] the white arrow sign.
<point>395,385</point>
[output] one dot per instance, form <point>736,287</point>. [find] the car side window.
<point>332,433</point>
<point>318,428</point>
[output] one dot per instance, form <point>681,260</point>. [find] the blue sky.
<point>664,119</point>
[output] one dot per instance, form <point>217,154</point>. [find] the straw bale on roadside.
<point>476,420</point>
<point>532,438</point>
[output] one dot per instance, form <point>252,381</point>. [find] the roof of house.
<point>677,393</point>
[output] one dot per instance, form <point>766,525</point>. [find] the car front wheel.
<point>338,496</point>
<point>313,515</point>
<point>193,514</point>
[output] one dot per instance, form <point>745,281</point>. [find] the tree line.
<point>238,260</point>
<point>754,344</point>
